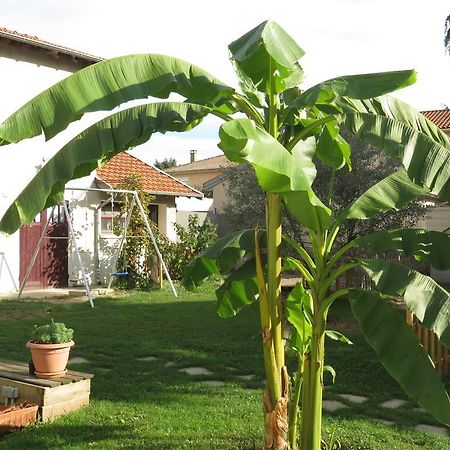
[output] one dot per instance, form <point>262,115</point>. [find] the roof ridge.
<point>198,160</point>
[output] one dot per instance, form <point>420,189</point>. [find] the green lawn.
<point>139,404</point>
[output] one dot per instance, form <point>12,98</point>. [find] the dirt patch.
<point>17,315</point>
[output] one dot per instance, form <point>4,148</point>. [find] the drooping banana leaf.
<point>107,84</point>
<point>278,170</point>
<point>393,192</point>
<point>222,256</point>
<point>400,352</point>
<point>429,302</point>
<point>398,110</point>
<point>93,147</point>
<point>427,162</point>
<point>299,313</point>
<point>431,246</point>
<point>332,149</point>
<point>355,87</point>
<point>266,58</point>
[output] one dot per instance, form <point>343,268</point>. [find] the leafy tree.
<point>166,163</point>
<point>283,129</point>
<point>447,34</point>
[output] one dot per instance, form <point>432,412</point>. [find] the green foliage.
<point>53,333</point>
<point>191,242</point>
<point>166,163</point>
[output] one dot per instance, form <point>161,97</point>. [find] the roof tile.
<point>440,117</point>
<point>154,181</point>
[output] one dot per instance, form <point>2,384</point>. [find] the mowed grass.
<point>138,404</point>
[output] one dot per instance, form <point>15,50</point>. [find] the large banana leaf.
<point>400,352</point>
<point>393,192</point>
<point>431,246</point>
<point>332,149</point>
<point>93,147</point>
<point>266,59</point>
<point>396,109</point>
<point>106,85</point>
<point>278,170</point>
<point>429,302</point>
<point>355,87</point>
<point>222,256</point>
<point>426,161</point>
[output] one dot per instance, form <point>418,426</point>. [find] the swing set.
<point>135,201</point>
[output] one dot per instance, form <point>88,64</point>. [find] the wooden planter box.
<point>53,397</point>
<point>17,416</point>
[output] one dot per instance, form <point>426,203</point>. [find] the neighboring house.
<point>209,176</point>
<point>92,212</point>
<point>438,219</point>
<point>34,64</point>
<point>95,213</point>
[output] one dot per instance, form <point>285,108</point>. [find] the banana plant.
<point>280,129</point>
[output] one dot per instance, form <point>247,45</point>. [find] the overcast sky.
<point>340,37</point>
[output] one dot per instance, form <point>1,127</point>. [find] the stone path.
<point>328,405</point>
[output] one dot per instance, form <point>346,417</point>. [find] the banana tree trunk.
<point>311,431</point>
<point>275,400</point>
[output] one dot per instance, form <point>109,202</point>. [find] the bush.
<point>53,333</point>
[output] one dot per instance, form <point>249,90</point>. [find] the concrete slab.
<point>147,358</point>
<point>432,429</point>
<point>393,403</point>
<point>196,371</point>
<point>216,383</point>
<point>354,398</point>
<point>332,405</point>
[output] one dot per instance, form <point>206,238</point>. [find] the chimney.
<point>193,155</point>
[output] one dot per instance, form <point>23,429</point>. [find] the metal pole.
<point>9,270</point>
<point>155,245</point>
<point>124,235</point>
<point>70,227</point>
<point>36,251</point>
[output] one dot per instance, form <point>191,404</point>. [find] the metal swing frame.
<point>135,201</point>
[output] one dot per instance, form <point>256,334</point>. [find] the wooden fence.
<point>431,344</point>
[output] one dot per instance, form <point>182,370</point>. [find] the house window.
<point>153,213</point>
<point>111,221</point>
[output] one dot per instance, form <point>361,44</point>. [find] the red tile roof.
<point>440,117</point>
<point>37,42</point>
<point>153,180</point>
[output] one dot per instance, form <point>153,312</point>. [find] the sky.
<point>340,37</point>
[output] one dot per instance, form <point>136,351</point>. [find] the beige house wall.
<point>197,179</point>
<point>220,197</point>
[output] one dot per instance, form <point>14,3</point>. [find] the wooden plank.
<point>34,394</point>
<point>29,379</point>
<point>51,412</point>
<point>80,374</point>
<point>67,392</point>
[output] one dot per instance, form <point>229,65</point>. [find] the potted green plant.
<point>50,346</point>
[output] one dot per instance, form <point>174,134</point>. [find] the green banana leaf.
<point>426,161</point>
<point>240,289</point>
<point>278,170</point>
<point>393,192</point>
<point>266,58</point>
<point>396,109</point>
<point>400,352</point>
<point>93,147</point>
<point>222,257</point>
<point>107,84</point>
<point>354,87</point>
<point>332,149</point>
<point>299,313</point>
<point>429,302</point>
<point>431,246</point>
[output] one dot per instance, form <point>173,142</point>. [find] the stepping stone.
<point>213,383</point>
<point>196,371</point>
<point>147,358</point>
<point>245,377</point>
<point>78,360</point>
<point>169,364</point>
<point>233,369</point>
<point>394,403</point>
<point>103,369</point>
<point>385,422</point>
<point>332,405</point>
<point>353,398</point>
<point>431,429</point>
<point>419,410</point>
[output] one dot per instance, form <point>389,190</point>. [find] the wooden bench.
<point>54,397</point>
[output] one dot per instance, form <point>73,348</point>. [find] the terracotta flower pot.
<point>50,360</point>
<point>17,416</point>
